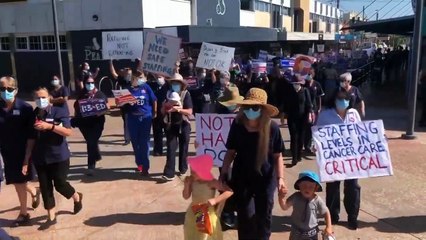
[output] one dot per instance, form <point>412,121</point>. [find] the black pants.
<point>351,200</point>
<point>125,127</point>
<point>177,136</point>
<point>91,134</point>
<point>296,127</point>
<point>54,175</point>
<point>423,92</point>
<point>158,131</point>
<point>230,206</point>
<point>254,202</point>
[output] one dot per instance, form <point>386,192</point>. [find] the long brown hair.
<point>264,130</point>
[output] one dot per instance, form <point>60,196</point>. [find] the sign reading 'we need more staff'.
<point>350,151</point>
<point>214,56</point>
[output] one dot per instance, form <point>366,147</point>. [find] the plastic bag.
<point>202,218</point>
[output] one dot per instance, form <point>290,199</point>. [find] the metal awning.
<point>399,26</point>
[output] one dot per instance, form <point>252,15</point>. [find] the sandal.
<point>22,220</point>
<point>36,199</point>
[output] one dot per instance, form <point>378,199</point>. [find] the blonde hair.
<point>10,81</point>
<point>264,135</point>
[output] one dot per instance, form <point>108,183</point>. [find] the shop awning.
<point>399,26</point>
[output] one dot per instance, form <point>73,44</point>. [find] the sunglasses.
<point>344,81</point>
<point>9,89</point>
<point>253,107</point>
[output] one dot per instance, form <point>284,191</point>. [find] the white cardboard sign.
<point>122,45</point>
<point>214,56</point>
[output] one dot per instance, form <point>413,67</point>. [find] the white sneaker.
<point>167,178</point>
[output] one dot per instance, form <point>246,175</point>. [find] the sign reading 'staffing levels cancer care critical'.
<point>122,45</point>
<point>353,150</point>
<point>214,56</point>
<point>160,53</point>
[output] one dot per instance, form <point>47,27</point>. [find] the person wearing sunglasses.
<point>16,144</point>
<point>356,99</point>
<point>254,147</point>
<point>339,111</point>
<point>91,126</point>
<point>51,155</point>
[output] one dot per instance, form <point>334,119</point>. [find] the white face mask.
<point>87,68</point>
<point>343,84</point>
<point>297,87</point>
<point>55,82</point>
<point>161,81</point>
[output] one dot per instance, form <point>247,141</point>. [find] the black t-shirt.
<point>245,144</point>
<point>298,104</point>
<point>63,91</point>
<point>176,118</point>
<point>160,91</point>
<point>315,92</point>
<point>123,83</point>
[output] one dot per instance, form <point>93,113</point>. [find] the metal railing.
<point>362,74</point>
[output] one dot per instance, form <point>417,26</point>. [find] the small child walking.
<point>201,219</point>
<point>307,208</point>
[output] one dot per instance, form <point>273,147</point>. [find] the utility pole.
<point>363,13</point>
<point>58,45</point>
<point>377,15</point>
<point>338,3</point>
<point>414,70</point>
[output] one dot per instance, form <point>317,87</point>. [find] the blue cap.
<point>308,175</point>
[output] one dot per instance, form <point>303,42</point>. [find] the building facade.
<point>27,44</point>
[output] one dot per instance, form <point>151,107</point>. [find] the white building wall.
<point>247,18</point>
<point>159,13</point>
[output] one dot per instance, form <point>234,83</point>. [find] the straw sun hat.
<point>178,78</point>
<point>257,96</point>
<point>230,97</point>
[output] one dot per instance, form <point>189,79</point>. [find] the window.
<point>262,6</point>
<point>63,42</point>
<point>328,27</point>
<point>315,6</point>
<point>326,10</point>
<point>35,42</point>
<point>49,42</point>
<point>4,44</point>
<point>285,11</point>
<point>22,43</point>
<point>320,8</point>
<point>246,5</point>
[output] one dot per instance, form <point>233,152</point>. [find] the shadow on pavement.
<point>281,224</point>
<point>159,218</point>
<point>406,224</point>
<point>5,236</point>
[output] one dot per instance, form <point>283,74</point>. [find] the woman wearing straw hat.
<point>228,102</point>
<point>254,147</point>
<point>178,132</point>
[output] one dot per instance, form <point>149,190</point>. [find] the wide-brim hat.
<point>202,166</point>
<point>178,78</point>
<point>230,97</point>
<point>257,96</point>
<point>309,176</point>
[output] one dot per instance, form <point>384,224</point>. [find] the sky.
<point>387,8</point>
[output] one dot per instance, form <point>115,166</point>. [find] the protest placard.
<point>92,107</point>
<point>160,53</point>
<point>350,151</point>
<point>212,133</point>
<point>320,48</point>
<point>192,82</point>
<point>122,45</point>
<point>259,67</point>
<point>263,55</point>
<point>214,56</point>
<point>123,97</point>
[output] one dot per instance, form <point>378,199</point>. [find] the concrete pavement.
<point>120,204</point>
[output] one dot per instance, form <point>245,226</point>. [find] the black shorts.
<point>13,169</point>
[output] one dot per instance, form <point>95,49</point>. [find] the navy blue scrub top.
<point>16,126</point>
<point>61,92</point>
<point>51,147</point>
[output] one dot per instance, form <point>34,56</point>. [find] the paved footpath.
<point>119,204</point>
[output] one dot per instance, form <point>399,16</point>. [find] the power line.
<point>393,8</point>
<point>405,12</point>
<point>402,12</point>
<point>377,11</point>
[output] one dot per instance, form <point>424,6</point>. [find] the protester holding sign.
<point>51,155</point>
<point>92,126</point>
<point>339,112</point>
<point>16,143</point>
<point>178,132</point>
<point>357,100</point>
<point>254,147</point>
<point>84,73</point>
<point>139,116</point>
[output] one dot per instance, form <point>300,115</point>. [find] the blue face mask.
<point>176,87</point>
<point>232,108</point>
<point>8,96</point>
<point>342,104</point>
<point>90,86</point>
<point>141,81</point>
<point>251,114</point>
<point>42,103</point>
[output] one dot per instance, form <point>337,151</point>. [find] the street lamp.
<point>58,45</point>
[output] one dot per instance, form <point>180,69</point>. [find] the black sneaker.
<point>36,199</point>
<point>22,220</point>
<point>352,224</point>
<point>228,220</point>
<point>145,173</point>
<point>168,179</point>
<point>46,225</point>
<point>78,205</point>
